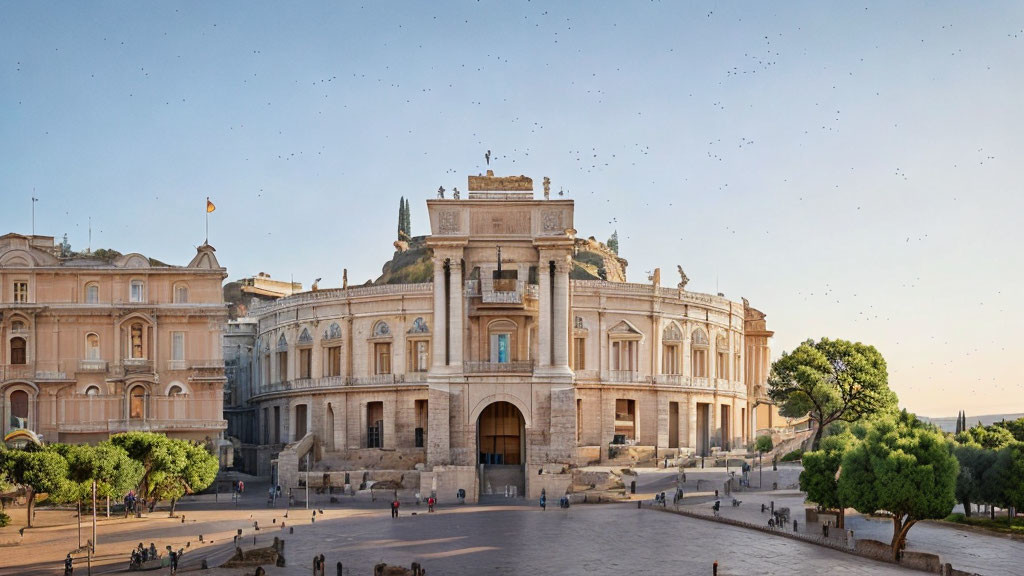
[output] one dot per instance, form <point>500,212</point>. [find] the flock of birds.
<point>402,80</point>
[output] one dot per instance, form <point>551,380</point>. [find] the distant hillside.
<point>414,264</point>
<point>948,424</point>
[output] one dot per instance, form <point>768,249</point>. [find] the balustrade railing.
<point>516,367</point>
<point>623,376</point>
<point>92,365</point>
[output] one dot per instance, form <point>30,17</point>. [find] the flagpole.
<point>207,241</point>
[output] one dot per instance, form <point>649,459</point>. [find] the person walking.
<point>394,508</point>
<point>69,565</point>
<point>430,504</point>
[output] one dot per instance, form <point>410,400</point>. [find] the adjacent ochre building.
<point>502,370</point>
<point>95,344</point>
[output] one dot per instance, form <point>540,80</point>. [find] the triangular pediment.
<point>624,327</point>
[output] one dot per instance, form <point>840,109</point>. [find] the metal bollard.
<point>291,529</point>
<point>340,569</point>
<point>794,526</point>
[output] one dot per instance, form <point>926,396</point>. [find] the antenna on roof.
<point>34,200</point>
<point>89,249</point>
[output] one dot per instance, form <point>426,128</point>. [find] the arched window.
<point>92,391</point>
<point>92,347</point>
<point>138,291</point>
<point>136,349</point>
<point>175,391</point>
<point>19,409</point>
<point>502,341</point>
<point>17,326</point>
<point>304,337</point>
<point>18,351</point>
<point>92,293</point>
<point>181,293</point>
<point>699,354</point>
<point>137,403</point>
<point>381,330</point>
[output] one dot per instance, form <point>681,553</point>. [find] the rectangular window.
<point>282,366</point>
<point>624,355</point>
<point>181,294</point>
<point>699,366</point>
<point>722,367</point>
<point>501,351</point>
<point>670,359</point>
<point>579,419</point>
<point>21,291</point>
<point>422,352</point>
<point>579,353</point>
<point>266,425</point>
<point>305,362</point>
<point>382,358</point>
<point>375,425</point>
<point>277,424</point>
<point>736,374</point>
<point>178,346</point>
<point>421,424</point>
<point>625,420</point>
<point>266,369</point>
<point>334,361</point>
<point>138,293</point>
<point>92,294</point>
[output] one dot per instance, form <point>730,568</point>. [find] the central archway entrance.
<point>501,449</point>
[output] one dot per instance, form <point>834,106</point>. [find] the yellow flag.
<point>209,205</point>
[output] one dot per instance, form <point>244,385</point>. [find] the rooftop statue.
<point>683,279</point>
<point>440,192</point>
<point>547,188</point>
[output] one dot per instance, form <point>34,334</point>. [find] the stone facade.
<point>93,346</point>
<point>503,365</point>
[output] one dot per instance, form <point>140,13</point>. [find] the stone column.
<point>437,345</point>
<point>544,314</point>
<point>455,293</point>
<point>560,313</point>
<point>691,423</point>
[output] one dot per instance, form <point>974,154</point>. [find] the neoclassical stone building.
<point>503,370</point>
<point>95,344</point>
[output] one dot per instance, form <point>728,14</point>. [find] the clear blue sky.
<point>853,169</point>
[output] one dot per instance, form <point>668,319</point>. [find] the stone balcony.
<point>140,425</point>
<point>31,372</point>
<point>99,366</point>
<point>501,291</point>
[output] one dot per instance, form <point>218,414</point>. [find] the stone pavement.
<point>585,540</point>
<point>965,550</point>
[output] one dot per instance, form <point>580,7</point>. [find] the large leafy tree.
<point>820,476</point>
<point>36,471</point>
<point>831,381</point>
<point>171,467</point>
<point>1016,427</point>
<point>903,467</point>
<point>198,472</point>
<point>970,485</point>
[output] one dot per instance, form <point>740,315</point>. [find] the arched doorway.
<point>501,448</point>
<point>19,410</point>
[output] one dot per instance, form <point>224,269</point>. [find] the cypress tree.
<point>408,220</point>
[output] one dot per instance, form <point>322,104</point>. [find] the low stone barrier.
<point>871,549</point>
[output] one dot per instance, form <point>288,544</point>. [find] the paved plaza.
<point>608,539</point>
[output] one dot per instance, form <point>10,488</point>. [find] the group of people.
<point>141,555</point>
<point>130,502</point>
<point>395,505</point>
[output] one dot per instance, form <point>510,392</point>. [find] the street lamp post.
<point>759,455</point>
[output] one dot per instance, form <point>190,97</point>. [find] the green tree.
<point>1013,463</point>
<point>974,461</point>
<point>988,437</point>
<point>903,467</point>
<point>613,242</point>
<point>36,471</point>
<point>763,444</point>
<point>198,472</point>
<point>831,381</point>
<point>1016,427</point>
<point>820,476</point>
<point>170,467</point>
